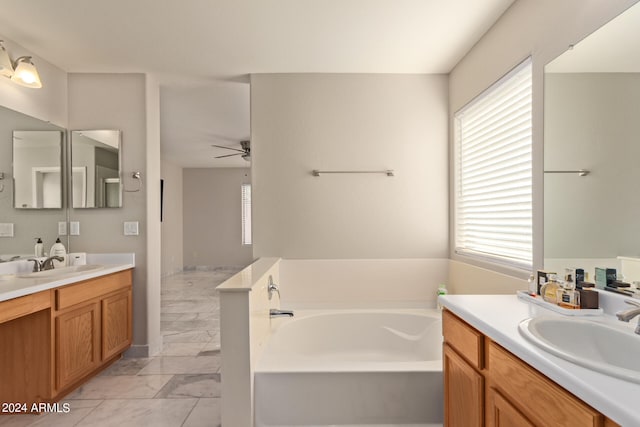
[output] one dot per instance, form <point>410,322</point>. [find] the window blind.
<point>493,208</point>
<point>246,214</point>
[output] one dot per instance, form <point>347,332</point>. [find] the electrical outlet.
<point>62,228</point>
<point>74,228</point>
<point>131,228</point>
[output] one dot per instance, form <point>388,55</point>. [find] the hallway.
<point>178,388</point>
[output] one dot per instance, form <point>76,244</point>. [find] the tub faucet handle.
<point>272,287</point>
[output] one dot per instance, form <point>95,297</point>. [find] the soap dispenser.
<point>58,249</point>
<point>39,249</point>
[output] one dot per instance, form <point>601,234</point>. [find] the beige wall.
<point>125,102</point>
<point>172,229</point>
<point>212,217</point>
<point>301,122</point>
<point>542,29</point>
<point>48,103</point>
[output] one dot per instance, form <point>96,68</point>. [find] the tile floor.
<point>178,388</point>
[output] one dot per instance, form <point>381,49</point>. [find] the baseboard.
<point>137,351</point>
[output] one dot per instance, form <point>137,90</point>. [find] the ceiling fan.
<point>245,152</point>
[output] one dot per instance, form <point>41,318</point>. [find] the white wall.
<point>152,203</point>
<point>125,102</point>
<point>172,223</point>
<point>301,122</point>
<point>212,217</point>
<point>542,29</point>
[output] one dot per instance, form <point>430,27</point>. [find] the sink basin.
<point>63,271</point>
<point>601,347</point>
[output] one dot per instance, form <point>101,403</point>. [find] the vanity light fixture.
<point>25,73</point>
<point>6,67</point>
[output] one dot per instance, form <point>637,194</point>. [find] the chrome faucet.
<point>626,315</point>
<point>275,312</point>
<point>47,264</point>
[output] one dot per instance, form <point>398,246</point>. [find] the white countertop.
<point>498,316</point>
<point>13,286</point>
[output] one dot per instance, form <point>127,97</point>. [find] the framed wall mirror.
<point>37,169</point>
<point>25,224</point>
<point>591,123</point>
<point>96,169</point>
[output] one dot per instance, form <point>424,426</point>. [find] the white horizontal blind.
<point>493,172</point>
<point>246,214</point>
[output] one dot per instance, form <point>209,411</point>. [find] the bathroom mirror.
<point>591,123</point>
<point>18,226</point>
<point>95,169</point>
<point>37,169</point>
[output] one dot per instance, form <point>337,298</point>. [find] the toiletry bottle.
<point>549,291</point>
<point>442,290</point>
<point>58,249</point>
<point>39,249</point>
<point>568,297</point>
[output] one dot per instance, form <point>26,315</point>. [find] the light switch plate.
<point>62,228</point>
<point>6,229</point>
<point>131,228</point>
<point>74,228</point>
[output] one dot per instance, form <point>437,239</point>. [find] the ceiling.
<point>202,51</point>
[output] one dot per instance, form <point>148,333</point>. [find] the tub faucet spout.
<point>275,312</point>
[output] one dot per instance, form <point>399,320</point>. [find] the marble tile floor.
<point>180,387</point>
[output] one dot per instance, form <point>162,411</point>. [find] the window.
<point>493,206</point>
<point>246,214</point>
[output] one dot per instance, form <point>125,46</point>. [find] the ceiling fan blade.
<point>227,155</point>
<point>228,148</point>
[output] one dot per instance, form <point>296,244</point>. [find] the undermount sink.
<point>63,271</point>
<point>601,347</point>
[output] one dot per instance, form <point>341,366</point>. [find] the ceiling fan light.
<point>6,68</point>
<point>25,73</point>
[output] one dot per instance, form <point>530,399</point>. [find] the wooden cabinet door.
<point>116,324</point>
<point>463,392</point>
<point>501,413</point>
<point>77,343</point>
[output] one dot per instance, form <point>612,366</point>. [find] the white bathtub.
<point>352,368</point>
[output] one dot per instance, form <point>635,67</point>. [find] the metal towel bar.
<point>388,172</point>
<point>581,172</point>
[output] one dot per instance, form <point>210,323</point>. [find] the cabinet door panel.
<point>463,392</point>
<point>116,324</point>
<point>501,413</point>
<point>523,385</point>
<point>77,343</point>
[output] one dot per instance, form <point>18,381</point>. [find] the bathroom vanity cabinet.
<point>54,340</point>
<point>487,385</point>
